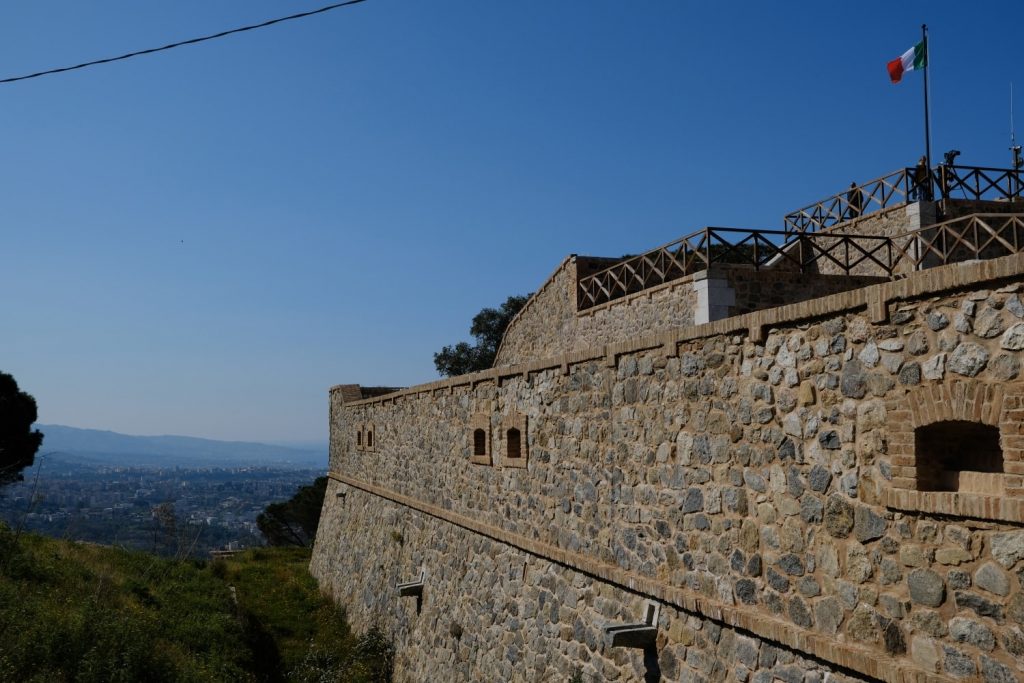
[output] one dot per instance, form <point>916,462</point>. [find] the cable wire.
<point>191,41</point>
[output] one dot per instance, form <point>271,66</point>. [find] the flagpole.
<point>927,127</point>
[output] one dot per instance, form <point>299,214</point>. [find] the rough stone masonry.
<point>826,490</point>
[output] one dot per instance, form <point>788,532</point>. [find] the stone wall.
<point>658,309</point>
<point>896,221</point>
<point>754,290</point>
<point>545,321</point>
<point>550,324</point>
<point>889,222</point>
<point>955,208</point>
<point>492,612</point>
<point>739,473</point>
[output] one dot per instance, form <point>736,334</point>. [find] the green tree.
<point>294,521</point>
<point>18,441</point>
<point>488,328</point>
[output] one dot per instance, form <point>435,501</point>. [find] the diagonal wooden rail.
<point>978,236</point>
<point>900,187</point>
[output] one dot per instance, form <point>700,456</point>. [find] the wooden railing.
<point>972,237</point>
<point>899,187</point>
<point>978,236</point>
<point>686,255</point>
<point>972,182</point>
<point>889,190</point>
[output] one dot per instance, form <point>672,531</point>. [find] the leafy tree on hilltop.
<point>18,441</point>
<point>294,521</point>
<point>488,328</point>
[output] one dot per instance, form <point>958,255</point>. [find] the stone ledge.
<point>866,661</point>
<point>975,506</point>
<point>923,283</point>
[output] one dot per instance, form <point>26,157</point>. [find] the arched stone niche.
<point>370,438</point>
<point>957,447</point>
<point>480,439</point>
<point>513,440</point>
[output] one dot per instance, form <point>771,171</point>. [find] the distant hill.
<point>111,448</point>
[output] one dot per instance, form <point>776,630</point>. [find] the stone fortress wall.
<point>551,323</point>
<point>492,611</point>
<point>741,474</point>
<point>896,221</point>
<point>779,483</point>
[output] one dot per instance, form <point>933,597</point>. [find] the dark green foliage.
<point>18,441</point>
<point>300,634</point>
<point>460,359</point>
<point>294,522</point>
<point>85,613</point>
<point>488,328</point>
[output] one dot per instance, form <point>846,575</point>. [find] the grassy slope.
<point>74,612</point>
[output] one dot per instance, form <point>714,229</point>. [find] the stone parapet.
<point>550,323</point>
<point>746,474</point>
<point>876,299</point>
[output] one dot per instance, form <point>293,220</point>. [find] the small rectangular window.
<point>944,450</point>
<point>512,447</point>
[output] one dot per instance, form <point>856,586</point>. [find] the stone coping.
<point>533,297</point>
<point>840,227</point>
<point>719,270</point>
<point>867,661</point>
<point>875,298</point>
<point>644,293</point>
<point>972,505</point>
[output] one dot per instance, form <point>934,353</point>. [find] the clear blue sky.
<point>203,241</point>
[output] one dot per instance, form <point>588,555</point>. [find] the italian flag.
<point>913,59</point>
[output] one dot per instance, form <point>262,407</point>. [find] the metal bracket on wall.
<point>414,587</point>
<point>641,634</point>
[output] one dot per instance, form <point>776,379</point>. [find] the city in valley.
<point>169,495</point>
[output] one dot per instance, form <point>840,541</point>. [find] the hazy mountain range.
<point>111,448</point>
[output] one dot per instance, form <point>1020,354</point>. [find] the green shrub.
<point>84,613</point>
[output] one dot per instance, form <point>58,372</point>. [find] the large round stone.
<point>926,587</point>
<point>994,672</point>
<point>937,321</point>
<point>972,632</point>
<point>1008,547</point>
<point>853,383</point>
<point>968,359</point>
<point>993,579</point>
<point>1005,366</point>
<point>989,324</point>
<point>867,525</point>
<point>838,516</point>
<point>1013,338</point>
